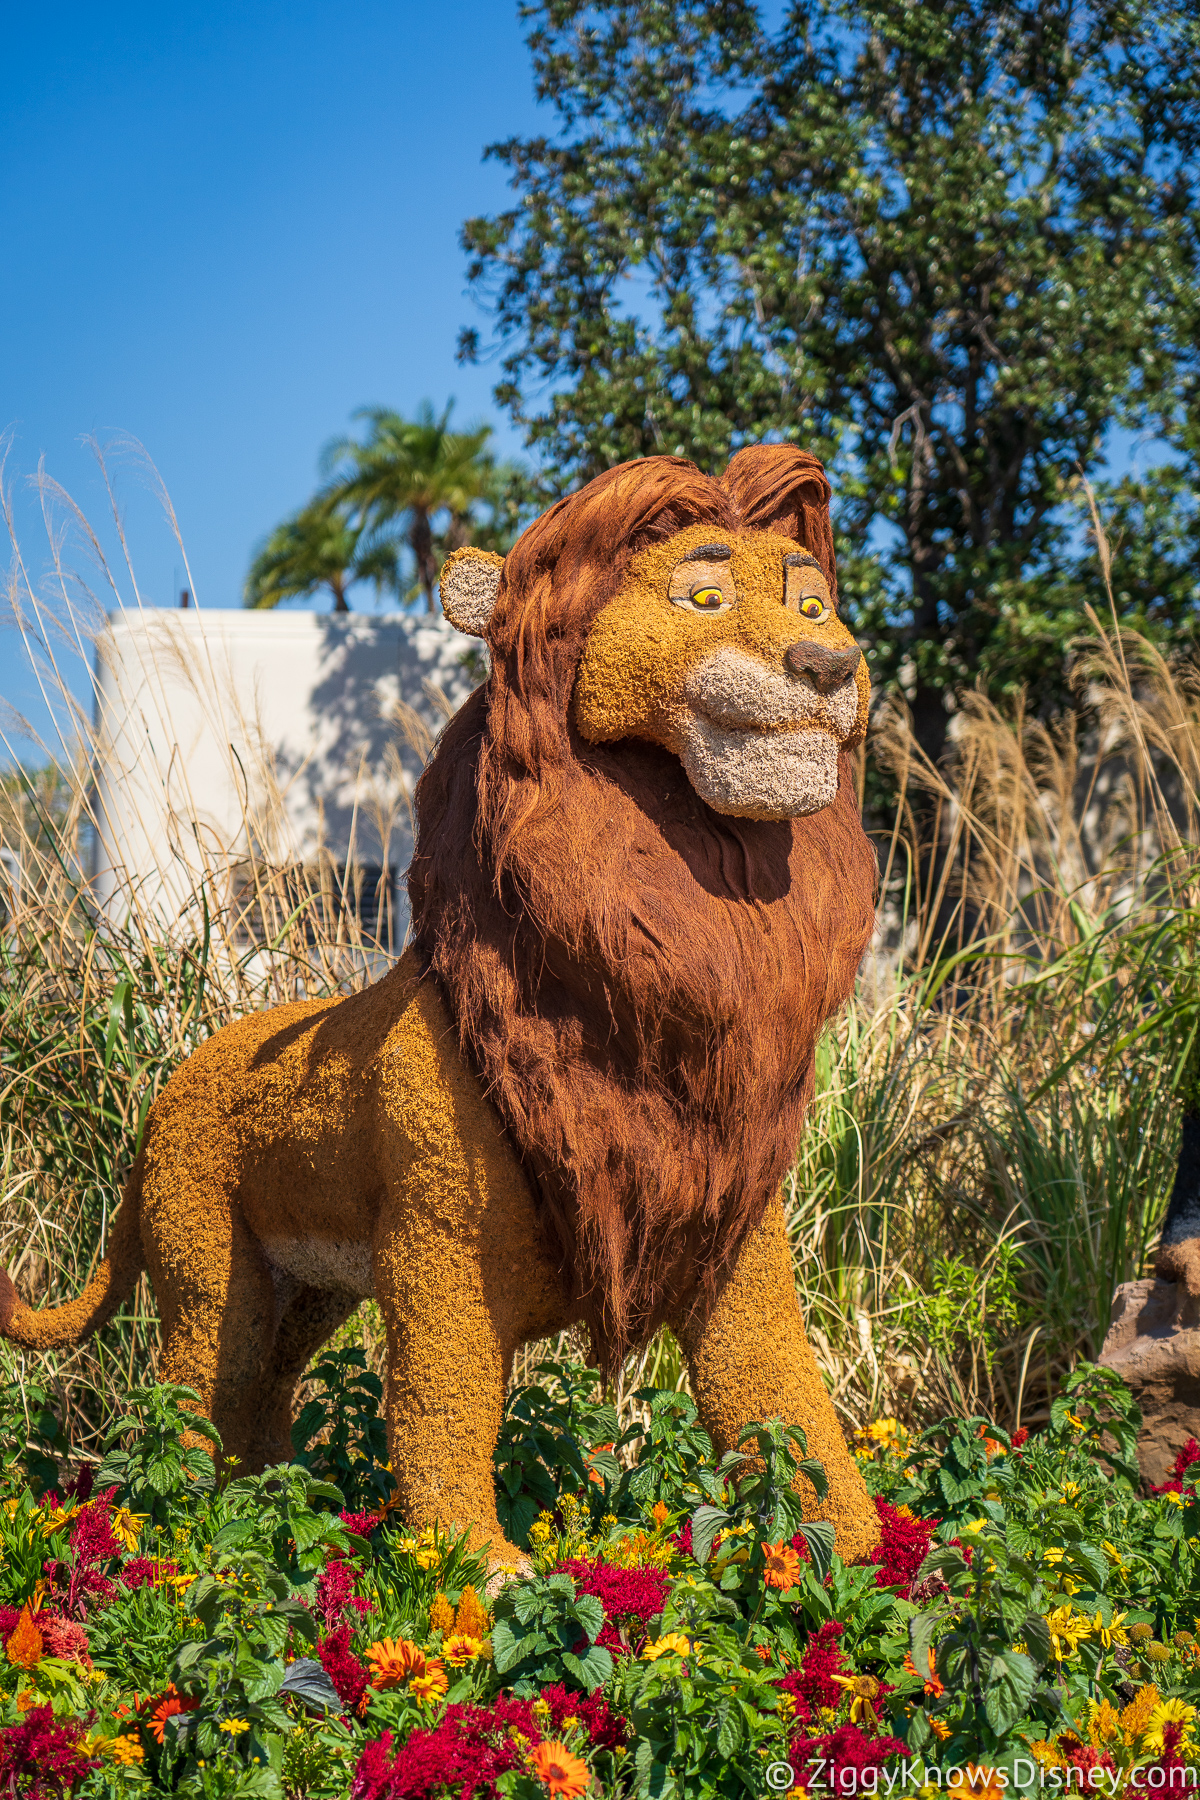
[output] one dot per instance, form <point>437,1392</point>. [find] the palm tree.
<point>320,546</point>
<point>405,473</point>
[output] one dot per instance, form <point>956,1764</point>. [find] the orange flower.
<point>471,1619</point>
<point>25,1647</point>
<point>170,1704</point>
<point>393,1660</point>
<point>592,1473</point>
<point>441,1616</point>
<point>783,1565</point>
<point>979,1783</point>
<point>935,1687</point>
<point>940,1729</point>
<point>660,1513</point>
<point>564,1775</point>
<point>430,1684</point>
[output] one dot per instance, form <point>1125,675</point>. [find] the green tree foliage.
<point>320,546</point>
<point>946,246</point>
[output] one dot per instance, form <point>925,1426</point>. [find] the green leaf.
<point>1011,1681</point>
<point>706,1522</point>
<point>819,1535</point>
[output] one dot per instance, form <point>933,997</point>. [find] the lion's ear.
<point>469,585</point>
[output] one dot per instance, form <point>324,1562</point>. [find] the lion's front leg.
<point>462,1281</point>
<point>751,1360</point>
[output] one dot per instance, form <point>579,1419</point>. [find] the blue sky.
<point>223,228</point>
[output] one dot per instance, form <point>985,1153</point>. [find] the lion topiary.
<point>640,889</point>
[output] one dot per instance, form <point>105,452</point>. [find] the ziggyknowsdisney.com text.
<point>971,1779</point>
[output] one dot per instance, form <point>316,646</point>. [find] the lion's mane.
<point>638,980</point>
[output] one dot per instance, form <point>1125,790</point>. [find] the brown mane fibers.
<point>639,981</point>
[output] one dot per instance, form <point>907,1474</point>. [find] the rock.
<point>1153,1343</point>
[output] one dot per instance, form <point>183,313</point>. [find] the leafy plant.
<point>353,1454</point>
<point>764,1497</point>
<point>539,1630</point>
<point>156,1467</point>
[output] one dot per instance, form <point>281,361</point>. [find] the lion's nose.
<point>828,668</point>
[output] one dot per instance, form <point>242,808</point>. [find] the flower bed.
<point>1027,1621</point>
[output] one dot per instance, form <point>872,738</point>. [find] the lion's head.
<point>640,873</point>
<point>724,646</point>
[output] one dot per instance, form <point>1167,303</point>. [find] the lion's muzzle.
<point>827,669</point>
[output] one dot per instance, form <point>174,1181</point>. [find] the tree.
<point>946,246</point>
<point>320,546</point>
<point>408,471</point>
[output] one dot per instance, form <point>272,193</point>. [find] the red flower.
<point>605,1729</point>
<point>64,1638</point>
<point>42,1760</point>
<point>465,1753</point>
<point>1020,1436</point>
<point>904,1545</point>
<point>812,1684</point>
<point>847,1748</point>
<point>348,1675</point>
<point>335,1585</point>
<point>92,1538</point>
<point>361,1524</point>
<point>630,1597</point>
<point>145,1571</point>
<point>1188,1456</point>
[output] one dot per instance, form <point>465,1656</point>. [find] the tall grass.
<point>992,1139</point>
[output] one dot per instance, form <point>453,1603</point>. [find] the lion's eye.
<point>813,608</point>
<point>708,598</point>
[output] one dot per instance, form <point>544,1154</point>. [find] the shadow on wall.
<point>226,737</point>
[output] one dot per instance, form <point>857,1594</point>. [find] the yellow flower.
<point>1168,1712</point>
<point>431,1685</point>
<point>234,1726</point>
<point>1173,1499</point>
<point>128,1526</point>
<point>864,1690</point>
<point>1067,1630</point>
<point>126,1750</point>
<point>673,1644</point>
<point>406,1545</point>
<point>1054,1554</point>
<point>56,1517</point>
<point>980,1783</point>
<point>1070,1491</point>
<point>1114,1556</point>
<point>1046,1754</point>
<point>976,1525</point>
<point>461,1649</point>
<point>1076,1424</point>
<point>1110,1634</point>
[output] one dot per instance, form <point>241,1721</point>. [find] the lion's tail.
<point>113,1282</point>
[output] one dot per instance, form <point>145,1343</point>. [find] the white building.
<point>287,737</point>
